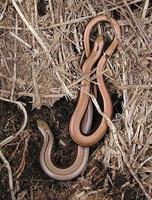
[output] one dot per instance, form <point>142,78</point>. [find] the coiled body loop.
<point>75,123</point>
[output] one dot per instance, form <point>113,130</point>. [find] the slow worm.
<point>83,152</point>
<point>81,120</point>
<point>76,119</point>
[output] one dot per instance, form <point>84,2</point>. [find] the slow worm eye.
<point>97,48</point>
<point>45,130</point>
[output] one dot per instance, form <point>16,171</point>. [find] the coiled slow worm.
<point>75,123</point>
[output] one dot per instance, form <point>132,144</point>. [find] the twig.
<point>51,11</point>
<point>36,99</point>
<point>133,87</point>
<point>74,21</point>
<point>145,8</point>
<point>19,94</point>
<point>23,42</point>
<point>38,38</point>
<point>65,88</point>
<point>22,163</point>
<point>11,138</point>
<point>7,67</point>
<point>10,176</point>
<point>15,56</point>
<point>5,6</point>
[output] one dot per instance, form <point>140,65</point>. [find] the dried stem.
<point>10,176</point>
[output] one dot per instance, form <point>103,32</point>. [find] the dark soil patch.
<point>33,181</point>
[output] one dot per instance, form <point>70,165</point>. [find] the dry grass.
<point>40,57</point>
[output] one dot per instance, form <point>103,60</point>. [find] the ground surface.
<point>33,183</point>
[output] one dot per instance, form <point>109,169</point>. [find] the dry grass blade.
<point>143,34</point>
<point>15,56</point>
<point>38,38</point>
<point>23,42</point>
<point>123,154</point>
<point>4,9</point>
<point>7,165</point>
<point>145,8</point>
<point>22,163</point>
<point>22,108</point>
<point>29,26</point>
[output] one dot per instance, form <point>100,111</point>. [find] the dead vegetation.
<point>41,49</point>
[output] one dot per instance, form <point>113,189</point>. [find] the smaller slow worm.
<point>82,153</point>
<point>46,162</point>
